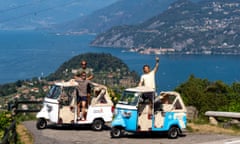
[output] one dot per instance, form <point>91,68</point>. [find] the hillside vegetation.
<point>210,96</point>
<point>107,69</point>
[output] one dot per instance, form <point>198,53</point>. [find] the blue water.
<point>27,54</point>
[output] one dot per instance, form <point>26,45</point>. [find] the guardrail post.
<point>10,134</point>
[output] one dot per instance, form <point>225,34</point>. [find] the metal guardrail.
<point>231,117</point>
<point>14,107</point>
<point>234,115</point>
<point>10,134</point>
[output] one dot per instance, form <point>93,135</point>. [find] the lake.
<point>27,54</point>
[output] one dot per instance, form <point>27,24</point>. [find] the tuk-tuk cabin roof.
<point>70,83</point>
<point>165,93</point>
<point>140,89</point>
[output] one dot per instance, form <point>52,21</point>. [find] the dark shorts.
<point>81,98</point>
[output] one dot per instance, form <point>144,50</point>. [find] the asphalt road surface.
<point>84,135</point>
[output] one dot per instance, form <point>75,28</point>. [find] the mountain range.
<point>205,27</point>
<point>40,14</point>
<point>122,12</point>
<point>77,16</point>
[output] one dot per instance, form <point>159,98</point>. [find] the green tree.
<point>192,92</point>
<point>206,95</point>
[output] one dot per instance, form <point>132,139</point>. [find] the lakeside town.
<point>164,51</point>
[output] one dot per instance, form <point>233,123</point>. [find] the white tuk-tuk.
<point>58,109</point>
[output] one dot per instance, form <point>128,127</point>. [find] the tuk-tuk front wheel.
<point>173,132</point>
<point>41,123</point>
<point>97,125</point>
<point>116,132</point>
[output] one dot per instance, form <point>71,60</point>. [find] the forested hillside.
<point>107,69</point>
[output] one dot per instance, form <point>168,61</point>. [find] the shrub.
<point>5,120</point>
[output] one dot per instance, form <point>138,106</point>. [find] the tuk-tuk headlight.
<point>126,114</point>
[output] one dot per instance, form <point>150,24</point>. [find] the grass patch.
<point>23,135</point>
<point>207,128</point>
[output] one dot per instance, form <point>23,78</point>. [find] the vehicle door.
<point>52,103</point>
<point>66,112</point>
<point>163,110</point>
<point>145,111</point>
<point>168,109</point>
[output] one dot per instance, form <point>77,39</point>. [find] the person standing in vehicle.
<point>148,78</point>
<point>85,69</point>
<point>82,92</point>
<point>89,76</point>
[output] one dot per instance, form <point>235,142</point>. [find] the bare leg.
<point>83,108</point>
<point>88,99</point>
<point>78,109</point>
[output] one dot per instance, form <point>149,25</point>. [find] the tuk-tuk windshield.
<point>54,92</point>
<point>129,98</point>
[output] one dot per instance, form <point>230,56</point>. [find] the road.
<point>84,135</point>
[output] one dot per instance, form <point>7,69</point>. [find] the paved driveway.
<point>84,135</point>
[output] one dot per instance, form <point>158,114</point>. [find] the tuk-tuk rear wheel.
<point>116,132</point>
<point>173,132</point>
<point>97,125</point>
<point>41,123</point>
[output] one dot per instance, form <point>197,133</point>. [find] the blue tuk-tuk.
<point>140,110</point>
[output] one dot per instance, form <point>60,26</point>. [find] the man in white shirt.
<point>148,78</point>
